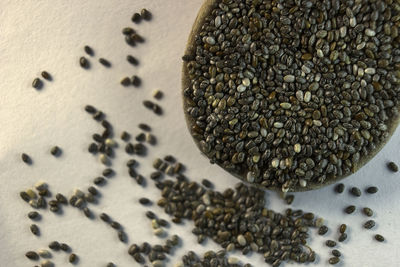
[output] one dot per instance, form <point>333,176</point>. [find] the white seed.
<point>352,22</point>
<point>246,82</point>
<point>46,263</point>
<point>110,143</point>
<point>241,240</point>
<point>44,253</point>
<point>297,148</point>
<point>241,88</point>
<point>179,264</point>
<point>33,203</point>
<point>103,159</point>
<point>289,78</point>
<point>343,31</point>
<point>206,199</point>
<point>217,21</point>
<point>41,185</point>
<point>319,222</point>
<point>278,125</point>
<point>370,71</point>
<point>317,123</point>
<point>250,177</point>
<point>157,263</point>
<point>275,163</point>
<point>300,95</point>
<point>154,224</point>
<point>370,33</point>
<point>303,183</point>
<point>320,54</point>
<point>78,193</point>
<point>360,46</point>
<point>31,193</point>
<point>263,132</point>
<point>210,40</point>
<point>307,96</point>
<point>230,247</point>
<point>159,232</point>
<point>285,105</point>
<point>305,69</point>
<point>233,260</point>
<point>360,72</point>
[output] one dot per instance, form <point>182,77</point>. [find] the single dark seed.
<point>108,172</point>
<point>330,243</point>
<point>150,215</point>
<point>372,190</point>
<point>157,109</point>
<point>355,191</point>
<point>155,175</point>
<point>87,212</point>
<point>131,163</point>
<point>379,238</point>
<point>110,264</point>
<point>55,151</point>
<point>35,229</point>
<point>136,81</point>
<point>84,63</point>
<point>170,159</point>
<point>106,124</point>
<point>32,255</point>
<point>393,167</point>
<point>207,183</point>
<point>162,222</point>
<point>90,109</point>
<point>136,18</point>
<point>54,245</point>
<point>127,31</point>
<point>289,199</point>
<point>369,224</point>
<point>88,50</point>
<point>25,158</point>
<point>122,236</point>
<point>37,83</point>
<point>342,228</point>
<point>129,148</point>
<point>339,188</point>
<point>34,215</point>
<point>24,196</point>
<point>367,211</point>
<point>132,60</point>
<point>115,225</point>
<point>105,218</point>
<point>323,230</point>
<point>148,104</point>
<point>158,95</point>
<point>105,62</point>
<point>336,253</point>
<point>93,190</point>
<point>342,237</point>
<point>140,180</point>
<point>99,180</point>
<point>144,127</point>
<point>140,137</point>
<point>334,260</point>
<point>133,249</point>
<point>126,81</point>
<point>98,116</point>
<point>72,258</point>
<point>350,209</point>
<point>46,75</point>
<point>93,148</point>
<point>145,14</point>
<point>98,138</point>
<point>145,201</point>
<point>138,258</point>
<point>64,247</point>
<point>125,136</point>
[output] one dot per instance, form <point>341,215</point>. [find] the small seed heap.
<point>210,258</point>
<point>287,94</point>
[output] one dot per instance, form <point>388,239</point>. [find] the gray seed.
<point>339,188</point>
<point>323,230</point>
<point>342,237</point>
<point>32,255</point>
<point>25,158</point>
<point>37,83</point>
<point>289,78</point>
<point>44,253</point>
<point>368,212</point>
<point>330,243</point>
<point>379,238</point>
<point>336,253</point>
<point>369,224</point>
<point>350,209</point>
<point>393,167</point>
<point>355,191</point>
<point>372,190</point>
<point>334,260</point>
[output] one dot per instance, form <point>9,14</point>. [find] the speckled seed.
<point>330,243</point>
<point>393,166</point>
<point>350,209</point>
<point>369,224</point>
<point>25,158</point>
<point>84,63</point>
<point>323,230</point>
<point>105,62</point>
<point>342,237</point>
<point>379,238</point>
<point>334,260</point>
<point>355,191</point>
<point>339,188</point>
<point>372,190</point>
<point>35,229</point>
<point>342,228</point>
<point>367,211</point>
<point>32,255</point>
<point>72,258</point>
<point>336,253</point>
<point>37,83</point>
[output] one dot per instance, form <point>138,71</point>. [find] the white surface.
<point>49,35</point>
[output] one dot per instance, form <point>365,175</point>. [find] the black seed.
<point>157,109</point>
<point>127,31</point>
<point>350,209</point>
<point>369,224</point>
<point>64,247</point>
<point>34,215</point>
<point>132,60</point>
<point>108,172</point>
<point>73,200</point>
<point>84,63</point>
<point>104,62</point>
<point>140,180</point>
<point>162,222</point>
<point>90,109</point>
<point>87,212</point>
<point>110,264</point>
<point>133,249</point>
<point>93,148</point>
<point>35,229</point>
<point>379,238</point>
<point>136,81</point>
<point>25,158</point>
<point>148,104</point>
<point>131,163</point>
<point>372,190</point>
<point>140,137</point>
<point>150,215</point>
<point>139,149</point>
<point>106,124</point>
<point>125,136</point>
<point>330,243</point>
<point>132,173</point>
<point>342,228</point>
<point>138,258</point>
<point>136,18</point>
<point>126,81</point>
<point>55,151</point>
<point>155,175</point>
<point>98,138</point>
<point>93,190</point>
<point>145,14</point>
<point>187,58</point>
<point>88,50</point>
<point>336,253</point>
<point>61,199</point>
<point>25,196</point>
<point>158,94</point>
<point>145,201</point>
<point>342,237</point>
<point>393,167</point>
<point>339,188</point>
<point>54,245</point>
<point>170,159</point>
<point>289,199</point>
<point>99,180</point>
<point>334,260</point>
<point>37,83</point>
<point>145,248</point>
<point>72,258</point>
<point>32,255</point>
<point>122,236</point>
<point>355,191</point>
<point>116,225</point>
<point>46,75</point>
<point>98,116</point>
<point>207,183</point>
<point>105,218</point>
<point>323,230</point>
<point>144,127</point>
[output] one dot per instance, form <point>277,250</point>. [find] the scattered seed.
<point>323,230</point>
<point>207,183</point>
<point>342,237</point>
<point>369,224</point>
<point>342,228</point>
<point>98,116</point>
<point>125,136</point>
<point>339,188</point>
<point>379,238</point>
<point>132,60</point>
<point>115,225</point>
<point>93,148</point>
<point>108,172</point>
<point>54,245</point>
<point>145,14</point>
<point>150,215</point>
<point>72,258</point>
<point>105,218</point>
<point>155,175</point>
<point>145,201</point>
<point>350,209</point>
<point>355,191</point>
<point>105,62</point>
<point>393,166</point>
<point>334,260</point>
<point>122,236</point>
<point>47,263</point>
<point>37,83</point>
<point>128,31</point>
<point>110,264</point>
<point>25,158</point>
<point>372,190</point>
<point>84,63</point>
<point>44,253</point>
<point>144,127</point>
<point>55,151</point>
<point>88,50</point>
<point>330,243</point>
<point>136,81</point>
<point>34,215</point>
<point>32,255</point>
<point>103,159</point>
<point>157,94</point>
<point>136,18</point>
<point>336,253</point>
<point>368,212</point>
<point>35,229</point>
<point>64,247</point>
<point>126,81</point>
<point>129,149</point>
<point>99,180</point>
<point>46,75</point>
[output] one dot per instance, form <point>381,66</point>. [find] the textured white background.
<point>49,35</point>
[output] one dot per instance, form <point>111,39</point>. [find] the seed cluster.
<point>210,258</point>
<point>286,95</point>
